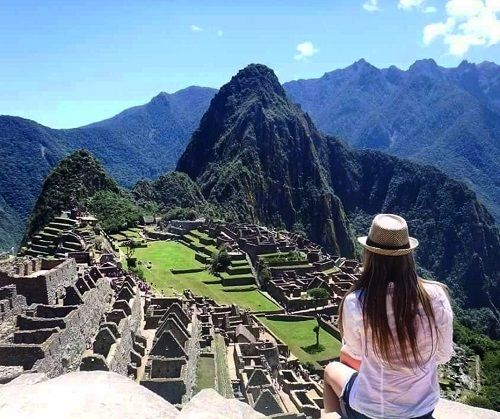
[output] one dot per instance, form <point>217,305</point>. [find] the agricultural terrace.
<point>301,339</point>
<point>159,258</point>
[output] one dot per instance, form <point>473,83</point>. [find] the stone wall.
<point>128,328</point>
<point>193,352</point>
<point>11,303</point>
<point>45,287</point>
<point>63,350</point>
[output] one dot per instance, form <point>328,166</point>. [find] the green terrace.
<point>301,339</point>
<point>201,242</point>
<point>46,241</point>
<point>130,234</point>
<point>285,259</point>
<point>171,267</point>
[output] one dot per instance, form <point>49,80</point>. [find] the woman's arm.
<point>348,360</point>
<point>352,323</point>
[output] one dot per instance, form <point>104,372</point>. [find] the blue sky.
<point>72,62</point>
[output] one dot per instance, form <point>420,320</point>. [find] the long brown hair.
<point>408,294</point>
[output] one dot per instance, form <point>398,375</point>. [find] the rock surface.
<point>208,404</point>
<point>99,394</point>
<point>79,395</point>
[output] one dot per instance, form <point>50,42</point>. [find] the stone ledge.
<point>93,394</point>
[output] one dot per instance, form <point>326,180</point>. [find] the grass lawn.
<point>205,374</point>
<point>299,335</point>
<point>166,255</point>
<point>224,386</point>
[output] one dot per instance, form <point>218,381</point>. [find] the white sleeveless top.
<point>381,391</point>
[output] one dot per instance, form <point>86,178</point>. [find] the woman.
<point>396,328</point>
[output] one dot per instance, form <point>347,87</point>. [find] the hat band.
<point>370,242</point>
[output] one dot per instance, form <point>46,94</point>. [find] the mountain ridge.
<point>148,144</point>
<point>136,143</point>
<point>447,117</point>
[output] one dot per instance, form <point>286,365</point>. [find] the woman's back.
<point>395,390</point>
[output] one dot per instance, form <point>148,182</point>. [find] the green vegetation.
<point>158,258</point>
<point>319,295</point>
<point>202,240</point>
<point>115,211</point>
<point>489,352</point>
<point>300,339</point>
<point>205,373</point>
<point>75,179</point>
<point>220,261</point>
<point>263,272</point>
<point>224,386</point>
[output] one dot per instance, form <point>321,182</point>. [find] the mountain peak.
<point>426,66</point>
<point>362,65</point>
<point>256,77</point>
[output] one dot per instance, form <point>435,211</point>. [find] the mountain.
<point>258,157</point>
<point>140,142</point>
<point>446,117</point>
<point>74,180</point>
<point>255,155</point>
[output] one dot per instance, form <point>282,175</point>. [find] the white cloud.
<point>434,30</point>
<point>469,23</point>
<point>420,5</point>
<point>220,32</point>
<point>305,50</point>
<point>195,28</point>
<point>371,6</point>
<point>410,4</point>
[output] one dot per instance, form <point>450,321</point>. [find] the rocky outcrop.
<point>99,394</point>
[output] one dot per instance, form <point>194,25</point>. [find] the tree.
<point>316,330</point>
<point>129,246</point>
<point>317,294</point>
<point>264,273</point>
<point>220,260</point>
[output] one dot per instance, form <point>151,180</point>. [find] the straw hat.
<point>388,236</point>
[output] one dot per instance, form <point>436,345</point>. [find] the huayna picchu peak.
<point>255,155</point>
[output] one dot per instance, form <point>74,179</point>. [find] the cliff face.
<point>447,117</point>
<point>255,155</point>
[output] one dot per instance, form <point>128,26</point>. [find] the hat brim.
<point>389,252</point>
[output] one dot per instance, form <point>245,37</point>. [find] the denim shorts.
<point>347,412</point>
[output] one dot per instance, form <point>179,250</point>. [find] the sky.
<point>69,63</point>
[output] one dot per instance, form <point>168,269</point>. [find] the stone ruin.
<point>271,380</point>
<point>171,361</point>
<point>262,372</point>
<point>56,315</point>
<point>50,334</point>
<point>118,345</point>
